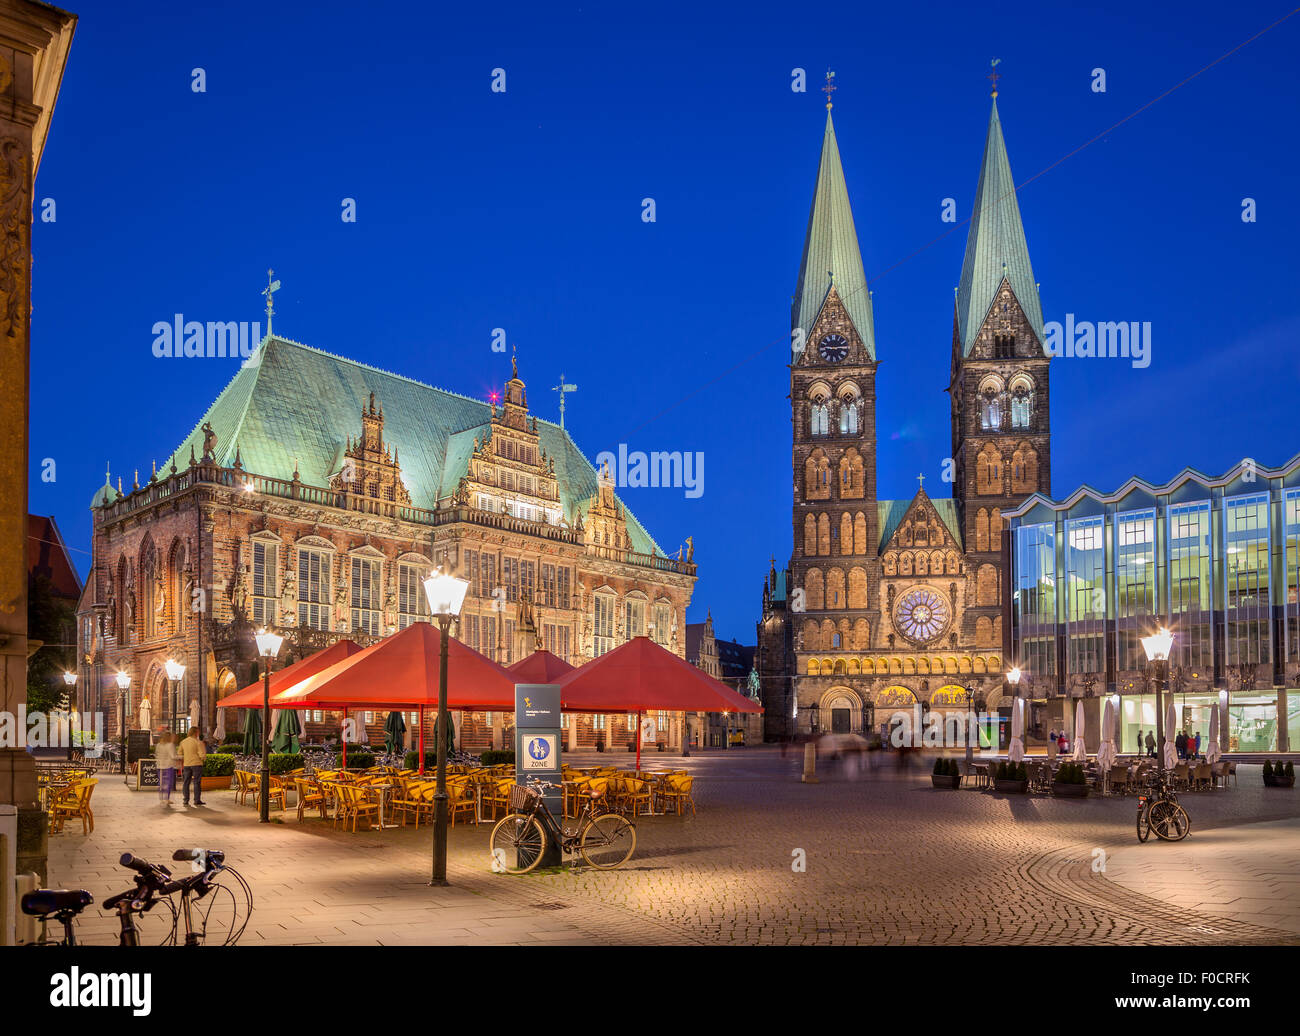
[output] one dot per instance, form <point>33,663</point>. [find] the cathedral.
<point>890,604</point>
<point>315,495</point>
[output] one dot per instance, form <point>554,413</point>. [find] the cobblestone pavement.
<point>887,860</point>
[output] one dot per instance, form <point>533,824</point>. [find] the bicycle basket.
<point>523,799</point>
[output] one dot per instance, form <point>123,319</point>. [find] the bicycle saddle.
<point>50,901</point>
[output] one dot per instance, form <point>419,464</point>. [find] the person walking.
<point>1151,745</point>
<point>1139,741</point>
<point>1198,744</point>
<point>193,753</point>
<point>165,754</point>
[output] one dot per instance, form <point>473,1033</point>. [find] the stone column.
<point>34,41</point>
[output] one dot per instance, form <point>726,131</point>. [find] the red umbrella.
<point>540,667</point>
<point>641,676</point>
<point>250,697</point>
<point>402,670</point>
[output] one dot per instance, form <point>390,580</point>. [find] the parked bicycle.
<point>1158,810</point>
<point>154,885</point>
<point>520,838</point>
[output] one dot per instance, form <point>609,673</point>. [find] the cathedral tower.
<point>833,407</point>
<point>998,387</point>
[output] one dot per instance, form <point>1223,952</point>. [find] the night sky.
<point>523,210</point>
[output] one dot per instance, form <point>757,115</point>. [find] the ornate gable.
<point>834,319</point>
<point>1006,332</point>
<point>369,470</point>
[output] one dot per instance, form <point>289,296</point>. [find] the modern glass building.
<point>1217,560</point>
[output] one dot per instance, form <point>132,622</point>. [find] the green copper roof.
<point>890,515</point>
<point>295,405</point>
<point>995,246</point>
<point>830,251</point>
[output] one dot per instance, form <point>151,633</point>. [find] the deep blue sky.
<point>522,210</point>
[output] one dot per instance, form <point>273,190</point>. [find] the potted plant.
<point>1279,775</point>
<point>218,771</point>
<point>1011,779</point>
<point>946,774</point>
<point>1070,782</point>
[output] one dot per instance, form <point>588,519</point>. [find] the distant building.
<point>1215,559</point>
<point>47,555</point>
<point>733,664</point>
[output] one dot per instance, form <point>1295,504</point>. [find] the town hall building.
<point>889,604</point>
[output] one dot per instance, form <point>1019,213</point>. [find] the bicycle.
<point>154,884</point>
<point>605,840</point>
<point>1160,812</point>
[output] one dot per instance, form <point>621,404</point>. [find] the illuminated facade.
<point>1214,559</point>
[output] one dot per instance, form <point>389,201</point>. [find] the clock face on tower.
<point>833,348</point>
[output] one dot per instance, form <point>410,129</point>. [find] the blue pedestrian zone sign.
<point>540,752</point>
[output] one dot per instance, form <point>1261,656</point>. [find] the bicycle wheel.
<point>608,841</point>
<point>1144,823</point>
<point>517,844</point>
<point>1170,821</point>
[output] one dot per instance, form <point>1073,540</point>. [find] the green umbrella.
<point>394,732</point>
<point>253,732</point>
<point>285,736</point>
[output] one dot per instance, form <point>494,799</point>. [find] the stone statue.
<point>690,549</point>
<point>209,441</point>
<point>239,594</point>
<point>159,594</point>
<point>390,608</point>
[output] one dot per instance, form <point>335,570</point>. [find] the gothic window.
<point>835,588</point>
<point>602,624</point>
<point>122,630</point>
<point>144,595</point>
<point>663,622</point>
<point>635,615</point>
<point>179,606</point>
<point>265,558</point>
<point>857,588</point>
<point>982,529</point>
<point>988,472</point>
<point>859,533</point>
<point>816,476</point>
<point>995,529</point>
<point>846,533</point>
<point>365,595</point>
<point>861,633</point>
<point>990,408</point>
<point>809,535</point>
<point>1004,346</point>
<point>850,407</point>
<point>815,596</point>
<point>1024,470</point>
<point>557,640</point>
<point>314,588</point>
<point>823,534</point>
<point>836,643</point>
<point>852,475</point>
<point>820,413</point>
<point>986,591</point>
<point>1022,402</point>
<point>412,602</point>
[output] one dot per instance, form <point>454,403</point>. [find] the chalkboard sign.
<point>146,774</point>
<point>137,746</point>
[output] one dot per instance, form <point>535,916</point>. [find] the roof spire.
<point>830,250</point>
<point>995,246</point>
<point>271,288</point>
<point>993,75</point>
<point>829,88</point>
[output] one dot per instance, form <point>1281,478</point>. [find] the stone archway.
<point>841,711</point>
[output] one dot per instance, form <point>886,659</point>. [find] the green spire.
<point>995,246</point>
<point>830,252</point>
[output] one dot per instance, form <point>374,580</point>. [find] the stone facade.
<point>188,564</point>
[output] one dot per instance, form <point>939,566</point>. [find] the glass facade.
<point>1217,560</point>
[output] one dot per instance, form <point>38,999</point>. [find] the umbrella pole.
<point>638,739</point>
<point>422,742</point>
<point>345,739</point>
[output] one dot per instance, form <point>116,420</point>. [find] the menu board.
<point>146,774</point>
<point>138,745</point>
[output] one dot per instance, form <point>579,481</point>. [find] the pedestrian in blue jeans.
<point>193,753</point>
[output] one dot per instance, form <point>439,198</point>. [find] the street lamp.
<point>1157,647</point>
<point>1013,678</point>
<point>175,673</point>
<point>970,727</point>
<point>123,685</point>
<point>70,680</point>
<point>268,646</point>
<point>446,595</point>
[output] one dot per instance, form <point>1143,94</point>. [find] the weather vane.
<point>993,75</point>
<point>271,288</point>
<point>563,388</point>
<point>829,88</point>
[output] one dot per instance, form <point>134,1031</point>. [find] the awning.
<point>540,667</point>
<point>250,697</point>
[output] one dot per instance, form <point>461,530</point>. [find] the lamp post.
<point>446,595</point>
<point>268,646</point>
<point>175,673</point>
<point>70,681</point>
<point>970,727</point>
<point>1157,647</point>
<point>123,685</point>
<point>1013,678</point>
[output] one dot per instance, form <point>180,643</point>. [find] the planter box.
<point>1005,787</point>
<point>945,780</point>
<point>1069,791</point>
<point>217,783</point>
<point>1279,782</point>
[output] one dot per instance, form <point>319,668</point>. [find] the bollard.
<point>810,763</point>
